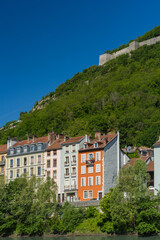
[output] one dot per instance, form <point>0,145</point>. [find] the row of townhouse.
<point>83,168</point>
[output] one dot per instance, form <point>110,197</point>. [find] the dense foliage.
<point>123,94</point>
<point>29,207</point>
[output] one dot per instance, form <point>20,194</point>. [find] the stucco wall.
<point>157,168</point>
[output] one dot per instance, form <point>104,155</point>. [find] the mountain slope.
<point>123,94</point>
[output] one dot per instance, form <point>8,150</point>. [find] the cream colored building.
<point>26,157</point>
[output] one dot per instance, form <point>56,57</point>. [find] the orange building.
<point>98,165</point>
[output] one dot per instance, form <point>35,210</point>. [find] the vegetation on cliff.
<point>123,94</point>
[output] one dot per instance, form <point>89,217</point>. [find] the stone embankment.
<point>132,46</point>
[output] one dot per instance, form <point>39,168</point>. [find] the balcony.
<point>73,162</point>
<point>73,173</point>
<point>2,163</point>
<point>90,162</point>
<point>66,175</point>
<point>67,187</point>
<point>70,188</point>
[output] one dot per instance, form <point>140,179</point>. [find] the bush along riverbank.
<point>29,207</point>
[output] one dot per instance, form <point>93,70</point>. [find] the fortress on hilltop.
<point>132,46</point>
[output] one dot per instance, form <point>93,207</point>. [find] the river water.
<point>87,238</point>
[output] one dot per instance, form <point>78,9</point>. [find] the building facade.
<point>3,153</point>
<point>69,167</point>
<point>26,157</point>
<point>99,164</point>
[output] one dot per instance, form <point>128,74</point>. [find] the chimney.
<point>29,138</point>
<point>34,137</point>
<point>66,138</point>
<point>51,137</point>
<point>59,136</point>
<point>98,136</point>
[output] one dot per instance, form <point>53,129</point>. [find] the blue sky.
<point>45,42</point>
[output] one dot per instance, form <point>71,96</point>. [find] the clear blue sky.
<point>45,42</point>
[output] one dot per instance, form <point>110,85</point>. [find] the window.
<point>11,163</point>
<point>83,181</point>
<point>18,162</point>
<point>54,174</point>
<point>12,151</point>
<point>24,170</point>
<point>83,158</point>
<point>55,152</point>
<point>18,173</point>
<point>90,194</point>
<point>83,169</point>
<point>39,159</point>
<point>31,148</point>
<point>39,147</point>
<point>25,161</point>
<point>48,163</point>
<point>67,160</point>
<point>54,162</point>
<point>32,160</point>
<point>90,169</point>
<point>11,174</point>
<point>18,150</point>
<point>98,167</point>
<point>67,171</point>
<point>98,156</point>
<point>31,171</point>
<point>95,145</point>
<point>73,171</point>
<point>25,149</point>
<point>67,149</point>
<point>90,156</point>
<point>39,171</point>
<point>48,154</point>
<point>98,180</point>
<point>2,158</point>
<point>90,181</point>
<point>85,145</point>
<point>73,148</point>
<point>74,159</point>
<point>48,174</point>
<point>85,194</point>
<point>2,170</point>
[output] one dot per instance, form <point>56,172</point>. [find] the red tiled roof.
<point>102,142</point>
<point>56,144</point>
<point>150,166</point>
<point>73,139</point>
<point>40,139</point>
<point>145,148</point>
<point>3,148</point>
<point>133,160</point>
<point>157,143</point>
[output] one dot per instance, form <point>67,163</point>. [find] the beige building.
<point>27,157</point>
<point>3,153</point>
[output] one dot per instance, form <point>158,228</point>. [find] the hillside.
<point>123,94</point>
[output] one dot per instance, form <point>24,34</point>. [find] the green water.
<point>87,238</point>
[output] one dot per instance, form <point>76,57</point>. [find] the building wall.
<point>111,163</point>
<point>157,168</point>
<point>28,166</point>
<point>53,156</point>
<point>2,168</point>
<point>132,46</point>
<point>94,188</point>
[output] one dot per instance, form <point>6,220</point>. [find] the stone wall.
<point>132,46</point>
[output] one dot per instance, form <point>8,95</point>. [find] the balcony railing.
<point>66,174</point>
<point>73,173</point>
<point>70,188</point>
<point>66,163</point>
<point>73,162</point>
<point>90,162</point>
<point>2,163</point>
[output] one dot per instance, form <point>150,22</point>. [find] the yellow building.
<point>26,157</point>
<point>3,153</point>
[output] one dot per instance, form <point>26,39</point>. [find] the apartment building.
<point>69,167</point>
<point>26,157</point>
<point>98,166</point>
<point>53,163</point>
<point>3,153</point>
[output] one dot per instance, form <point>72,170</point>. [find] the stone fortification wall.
<point>132,46</point>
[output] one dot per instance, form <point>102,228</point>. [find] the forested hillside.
<point>123,94</point>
